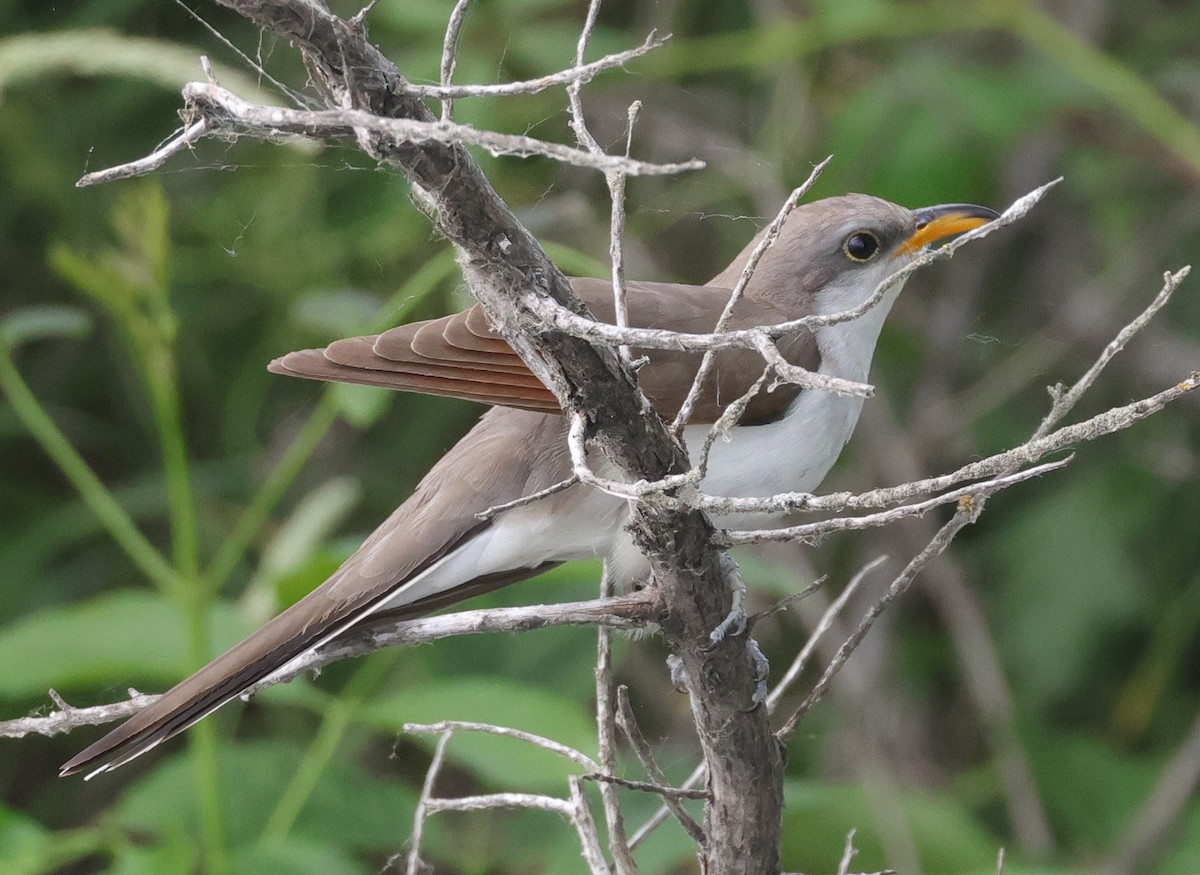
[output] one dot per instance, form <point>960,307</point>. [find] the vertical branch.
<point>450,54</point>
<point>415,865</point>
<point>618,844</point>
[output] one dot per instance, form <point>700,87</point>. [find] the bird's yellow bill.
<point>940,228</point>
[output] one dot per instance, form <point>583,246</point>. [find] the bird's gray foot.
<point>735,620</point>
<point>762,671</point>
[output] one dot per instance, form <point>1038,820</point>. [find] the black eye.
<point>861,246</point>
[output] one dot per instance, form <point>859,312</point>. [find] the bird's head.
<point>832,254</point>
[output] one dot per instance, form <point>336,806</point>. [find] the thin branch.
<point>823,625</point>
<point>225,112</point>
<point>971,507</point>
<point>415,865</point>
<point>644,754</point>
<point>751,338</point>
<point>728,419</point>
<point>772,234</point>
<point>450,58</point>
<point>848,853</point>
<point>647,787</point>
<point>582,74</point>
<point>488,801</point>
<point>585,827</point>
<point>549,744</point>
<point>1101,424</point>
<point>1065,401</point>
<point>151,162</point>
<point>811,531</point>
<point>629,612</point>
<point>897,588</point>
<point>68,718</point>
<point>618,844</point>
<point>497,509</point>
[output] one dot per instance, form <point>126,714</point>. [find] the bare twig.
<point>68,718</point>
<point>801,661</point>
<point>848,853</point>
<point>1101,424</point>
<point>223,111</point>
<point>898,587</point>
<point>641,747</point>
<point>582,74</point>
<point>1065,400</point>
<point>647,787</point>
<point>575,809</point>
<point>151,162</point>
<point>555,747</point>
<point>618,844</point>
<point>768,240</point>
<point>497,509</point>
<point>811,531</point>
<point>970,507</point>
<point>751,338</point>
<point>450,58</point>
<point>585,828</point>
<point>415,865</point>
<point>630,612</point>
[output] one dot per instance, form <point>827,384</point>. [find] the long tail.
<point>300,628</point>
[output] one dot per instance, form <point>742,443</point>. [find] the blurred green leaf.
<point>172,854</point>
<point>338,313</point>
<point>1065,581</point>
<point>32,57</point>
<point>351,809</point>
<point>28,847</point>
<point>361,405</point>
<point>110,640</point>
<point>817,818</point>
<point>1090,788</point>
<point>37,323</point>
<point>297,857</point>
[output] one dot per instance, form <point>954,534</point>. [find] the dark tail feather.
<point>274,645</point>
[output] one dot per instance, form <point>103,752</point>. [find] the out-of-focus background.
<point>1030,694</point>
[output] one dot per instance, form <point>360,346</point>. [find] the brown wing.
<point>460,356</point>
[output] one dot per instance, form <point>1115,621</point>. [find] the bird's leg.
<point>762,671</point>
<point>737,623</point>
<point>735,620</point>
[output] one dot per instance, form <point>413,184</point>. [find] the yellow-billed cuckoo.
<point>434,549</point>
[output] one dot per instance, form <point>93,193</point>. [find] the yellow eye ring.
<point>861,246</point>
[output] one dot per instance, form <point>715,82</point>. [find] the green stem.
<point>180,500</point>
<point>256,514</point>
<point>336,719</point>
<point>94,493</point>
<point>202,743</point>
<point>1119,85</point>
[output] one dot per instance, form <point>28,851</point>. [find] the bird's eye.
<point>861,246</point>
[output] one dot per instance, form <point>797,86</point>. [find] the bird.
<point>436,549</point>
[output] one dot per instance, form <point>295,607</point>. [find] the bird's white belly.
<point>792,454</point>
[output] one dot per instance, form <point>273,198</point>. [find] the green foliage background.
<point>162,494</point>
